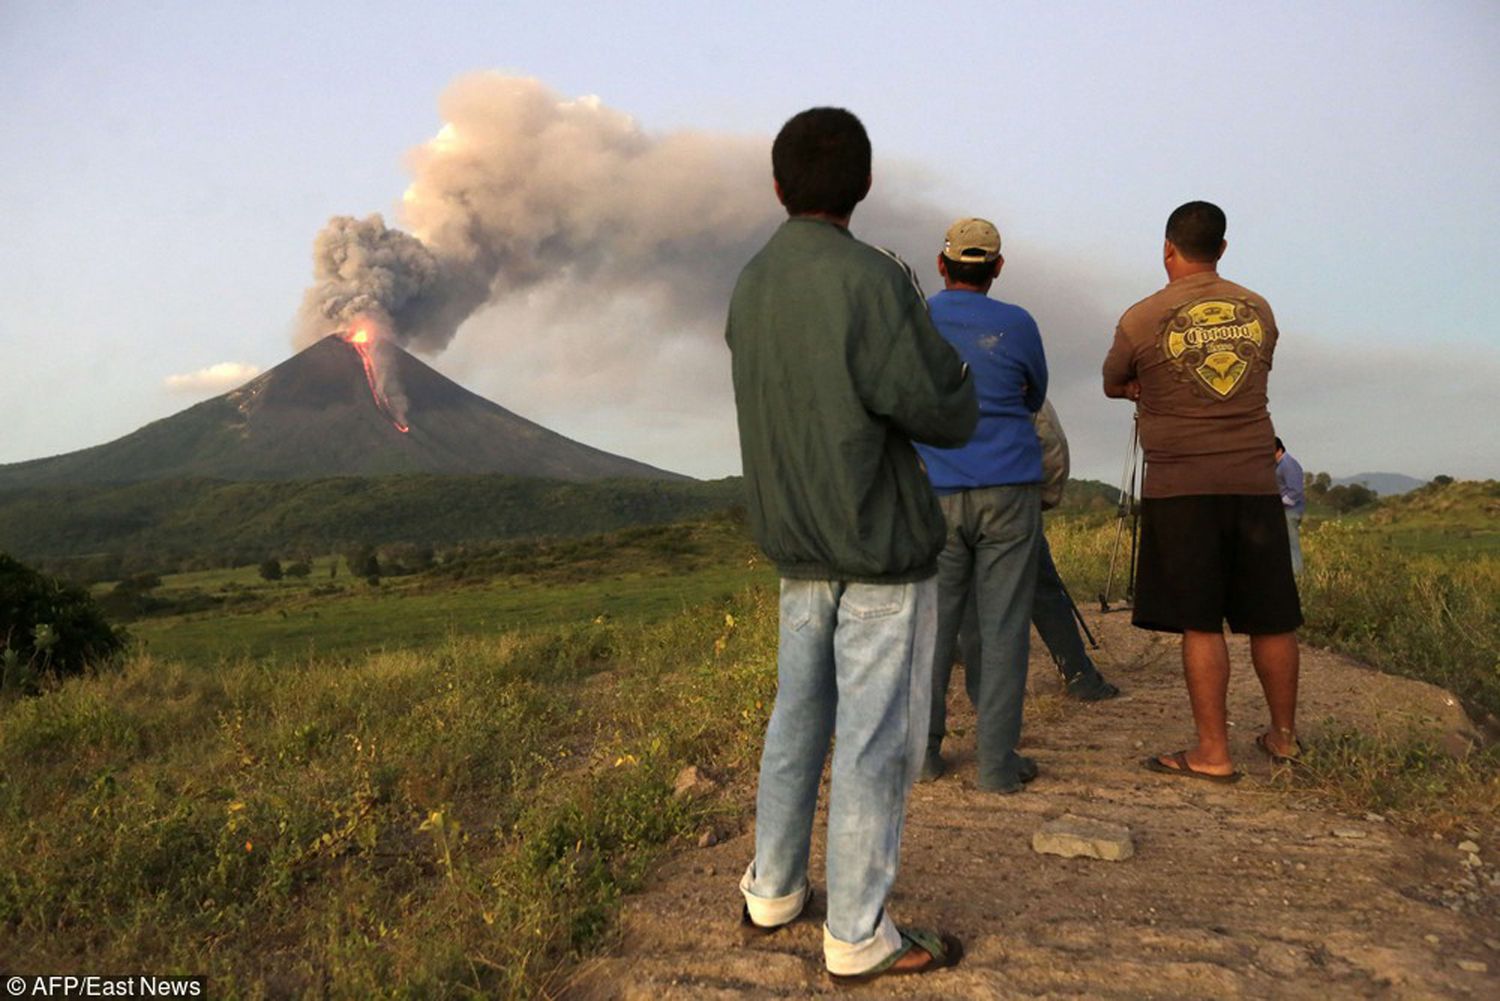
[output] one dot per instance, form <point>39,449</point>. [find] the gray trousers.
<point>1051,614</point>
<point>994,540</point>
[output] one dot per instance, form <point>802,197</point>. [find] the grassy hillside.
<point>1462,515</point>
<point>455,821</point>
<point>407,808</point>
<point>1088,497</point>
<point>108,531</point>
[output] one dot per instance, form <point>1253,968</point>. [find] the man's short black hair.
<point>975,273</point>
<point>1197,231</point>
<point>821,160</point>
<point>1279,446</point>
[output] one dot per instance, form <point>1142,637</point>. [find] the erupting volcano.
<point>352,404</point>
<point>365,342</point>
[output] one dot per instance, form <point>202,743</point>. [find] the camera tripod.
<point>1129,510</point>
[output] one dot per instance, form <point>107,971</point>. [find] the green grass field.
<point>638,575</point>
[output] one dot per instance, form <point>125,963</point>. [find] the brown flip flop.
<point>1155,764</point>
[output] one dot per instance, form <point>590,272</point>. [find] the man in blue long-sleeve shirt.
<point>1293,501</point>
<point>990,492</point>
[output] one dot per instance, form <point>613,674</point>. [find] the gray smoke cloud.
<point>522,188</point>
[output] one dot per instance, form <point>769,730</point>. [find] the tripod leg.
<point>1114,554</point>
<point>1079,616</point>
<point>1126,502</point>
<point>1135,514</point>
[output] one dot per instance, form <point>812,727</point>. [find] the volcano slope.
<point>1244,891</point>
<point>315,415</point>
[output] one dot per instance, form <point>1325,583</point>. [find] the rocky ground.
<point>1249,890</point>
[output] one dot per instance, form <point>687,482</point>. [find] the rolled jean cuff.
<point>771,912</point>
<point>846,958</point>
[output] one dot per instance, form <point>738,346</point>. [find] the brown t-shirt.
<point>1201,349</point>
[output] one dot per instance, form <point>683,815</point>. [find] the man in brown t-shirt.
<point>1195,358</point>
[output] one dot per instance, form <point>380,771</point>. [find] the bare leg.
<point>1277,660</point>
<point>1205,665</point>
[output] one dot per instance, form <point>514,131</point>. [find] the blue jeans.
<point>854,662</point>
<point>994,540</point>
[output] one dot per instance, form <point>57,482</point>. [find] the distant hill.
<point>1384,484</point>
<point>317,414</point>
<point>1089,497</point>
<point>1459,506</point>
<point>99,531</point>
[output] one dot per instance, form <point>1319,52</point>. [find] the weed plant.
<point>1412,782</point>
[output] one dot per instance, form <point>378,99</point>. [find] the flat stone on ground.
<point>1072,836</point>
<point>692,783</point>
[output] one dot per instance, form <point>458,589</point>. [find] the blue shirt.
<point>1289,482</point>
<point>1003,348</point>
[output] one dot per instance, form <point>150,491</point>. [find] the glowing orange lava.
<point>359,339</point>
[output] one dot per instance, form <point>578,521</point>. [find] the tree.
<point>1346,497</point>
<point>299,569</point>
<point>1442,480</point>
<point>364,563</point>
<point>140,583</point>
<point>131,597</point>
<point>404,558</point>
<point>270,569</point>
<point>47,626</point>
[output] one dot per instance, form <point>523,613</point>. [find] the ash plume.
<point>523,189</point>
<point>365,269</point>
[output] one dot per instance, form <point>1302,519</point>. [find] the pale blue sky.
<point>164,168</point>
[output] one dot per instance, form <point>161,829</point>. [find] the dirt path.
<point>1243,891</point>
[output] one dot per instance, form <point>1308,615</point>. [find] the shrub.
<point>364,563</point>
<point>49,626</point>
<point>131,598</point>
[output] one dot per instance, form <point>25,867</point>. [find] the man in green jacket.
<point>837,370</point>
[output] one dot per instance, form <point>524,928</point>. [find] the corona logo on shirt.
<point>1216,342</point>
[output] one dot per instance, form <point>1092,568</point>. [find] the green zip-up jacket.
<point>837,370</point>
